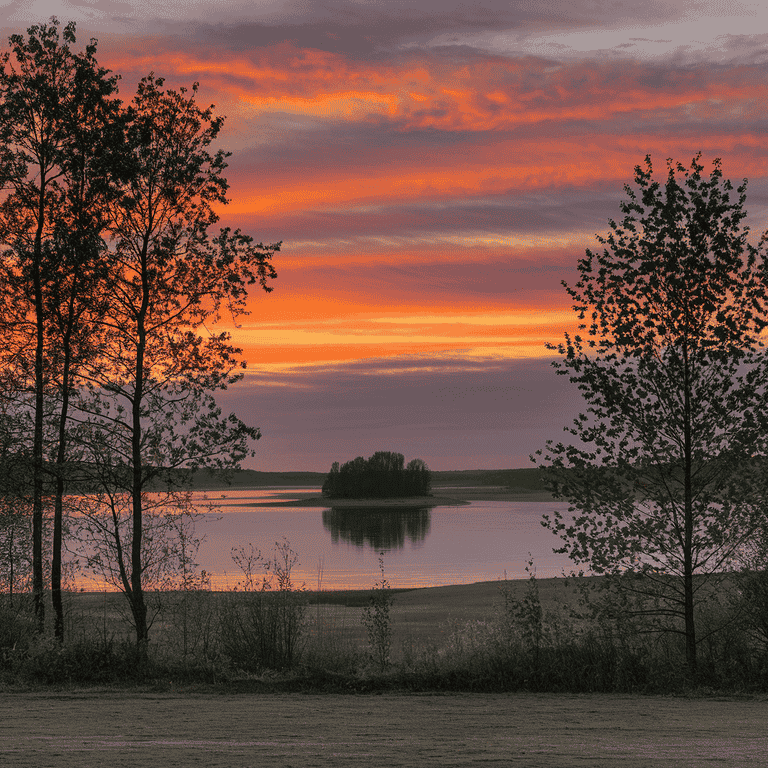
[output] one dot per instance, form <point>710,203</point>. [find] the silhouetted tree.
<point>418,479</point>
<point>668,480</point>
<point>54,113</point>
<point>151,406</point>
<point>332,485</point>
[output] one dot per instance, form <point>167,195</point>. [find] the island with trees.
<point>381,476</point>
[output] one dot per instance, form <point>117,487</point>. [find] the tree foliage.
<point>383,475</point>
<point>666,479</point>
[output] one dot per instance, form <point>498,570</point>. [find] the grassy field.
<point>436,705</point>
<point>419,616</point>
<point>489,636</point>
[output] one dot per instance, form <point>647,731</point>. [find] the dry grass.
<point>419,616</point>
<point>487,636</point>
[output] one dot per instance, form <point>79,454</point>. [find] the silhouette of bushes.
<point>382,476</point>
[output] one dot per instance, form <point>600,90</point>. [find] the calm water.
<point>481,541</point>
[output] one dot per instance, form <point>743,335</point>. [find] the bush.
<point>192,623</point>
<point>17,623</point>
<point>263,628</point>
<point>377,621</point>
<point>84,661</point>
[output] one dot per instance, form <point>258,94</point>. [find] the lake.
<point>340,548</point>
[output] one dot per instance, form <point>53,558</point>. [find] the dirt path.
<point>162,731</point>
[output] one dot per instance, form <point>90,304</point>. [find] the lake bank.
<point>420,616</point>
<point>448,496</point>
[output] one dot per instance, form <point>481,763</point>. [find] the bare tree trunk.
<point>61,458</point>
<point>58,511</point>
<point>690,627</point>
<point>138,605</point>
<point>37,447</point>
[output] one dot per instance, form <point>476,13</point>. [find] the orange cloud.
<point>302,328</point>
<point>424,91</point>
<point>506,128</point>
<point>277,354</point>
<point>504,166</point>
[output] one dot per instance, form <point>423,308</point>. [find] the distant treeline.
<point>514,479</point>
<point>524,479</point>
<point>18,469</point>
<point>383,475</point>
<point>215,479</point>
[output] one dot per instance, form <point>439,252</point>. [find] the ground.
<point>96,729</point>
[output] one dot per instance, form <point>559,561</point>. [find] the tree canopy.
<point>383,475</point>
<point>55,109</point>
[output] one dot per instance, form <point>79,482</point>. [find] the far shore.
<point>443,497</point>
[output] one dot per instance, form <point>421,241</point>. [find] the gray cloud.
<point>516,215</point>
<point>483,413</point>
<point>377,30</point>
<point>372,30</point>
<point>509,282</point>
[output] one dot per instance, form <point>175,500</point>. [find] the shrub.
<point>192,621</point>
<point>262,627</point>
<point>17,624</point>
<point>377,621</point>
<point>83,661</point>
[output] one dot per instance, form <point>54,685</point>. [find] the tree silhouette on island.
<point>382,476</point>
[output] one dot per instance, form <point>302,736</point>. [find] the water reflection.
<point>378,527</point>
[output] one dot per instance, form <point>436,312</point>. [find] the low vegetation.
<point>271,634</point>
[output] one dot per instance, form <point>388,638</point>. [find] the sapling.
<point>377,620</point>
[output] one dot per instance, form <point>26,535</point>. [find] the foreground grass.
<point>486,637</point>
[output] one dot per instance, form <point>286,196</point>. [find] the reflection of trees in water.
<point>378,527</point>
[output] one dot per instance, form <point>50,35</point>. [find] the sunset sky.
<point>434,170</point>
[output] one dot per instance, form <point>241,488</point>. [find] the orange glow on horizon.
<point>348,337</point>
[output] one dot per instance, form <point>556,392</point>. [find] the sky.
<point>434,169</point>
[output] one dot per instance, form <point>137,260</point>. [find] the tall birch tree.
<point>151,407</point>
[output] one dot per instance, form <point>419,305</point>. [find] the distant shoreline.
<point>473,485</point>
<point>315,500</point>
<point>443,497</point>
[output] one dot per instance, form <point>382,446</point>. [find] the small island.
<point>382,476</point>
